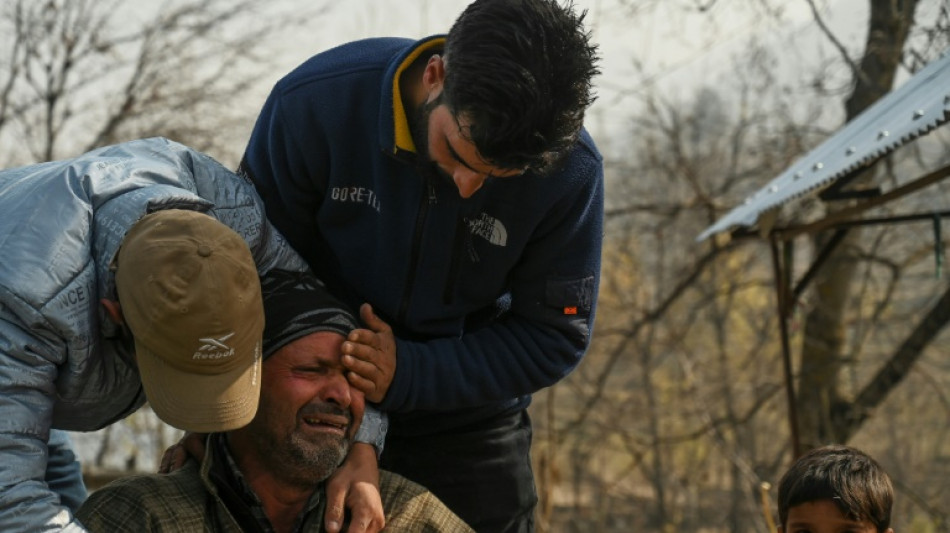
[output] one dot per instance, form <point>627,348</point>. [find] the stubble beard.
<point>313,459</point>
<point>298,457</point>
<point>419,129</point>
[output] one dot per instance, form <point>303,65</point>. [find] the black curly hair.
<point>519,73</point>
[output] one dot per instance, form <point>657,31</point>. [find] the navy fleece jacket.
<point>491,298</point>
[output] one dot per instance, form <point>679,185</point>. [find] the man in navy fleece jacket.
<point>449,183</point>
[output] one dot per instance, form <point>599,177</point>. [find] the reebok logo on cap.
<point>214,348</point>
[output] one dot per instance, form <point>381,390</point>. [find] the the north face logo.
<point>214,348</point>
<point>489,228</point>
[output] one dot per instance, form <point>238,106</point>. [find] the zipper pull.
<point>433,199</point>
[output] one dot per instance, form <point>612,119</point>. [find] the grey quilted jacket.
<point>62,363</point>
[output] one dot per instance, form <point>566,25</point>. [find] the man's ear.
<point>113,309</point>
<point>434,75</point>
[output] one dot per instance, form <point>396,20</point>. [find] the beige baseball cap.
<point>190,293</point>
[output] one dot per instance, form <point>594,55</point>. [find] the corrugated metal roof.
<point>914,109</point>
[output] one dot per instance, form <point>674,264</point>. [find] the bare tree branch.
<point>842,51</point>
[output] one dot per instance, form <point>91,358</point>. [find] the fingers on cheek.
<point>356,381</point>
<point>357,350</point>
<point>355,365</point>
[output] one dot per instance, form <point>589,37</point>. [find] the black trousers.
<point>482,472</point>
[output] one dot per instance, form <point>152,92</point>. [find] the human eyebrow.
<point>799,527</point>
<point>796,528</point>
<point>457,157</point>
<point>312,365</point>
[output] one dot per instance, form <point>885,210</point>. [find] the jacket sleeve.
<point>238,205</point>
<point>541,336</point>
<point>27,376</point>
<point>373,429</point>
<point>63,471</point>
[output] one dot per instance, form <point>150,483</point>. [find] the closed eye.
<point>311,370</point>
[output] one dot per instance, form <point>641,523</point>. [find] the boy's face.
<point>823,516</point>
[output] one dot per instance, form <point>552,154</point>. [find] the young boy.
<point>835,489</point>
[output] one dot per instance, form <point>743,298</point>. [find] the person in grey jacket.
<point>67,357</point>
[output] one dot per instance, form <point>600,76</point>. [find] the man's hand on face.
<point>369,355</point>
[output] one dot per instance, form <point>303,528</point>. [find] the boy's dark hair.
<point>519,71</point>
<point>850,478</point>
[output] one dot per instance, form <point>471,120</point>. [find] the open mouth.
<point>337,423</point>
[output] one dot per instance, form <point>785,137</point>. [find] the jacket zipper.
<point>431,199</point>
<point>458,245</point>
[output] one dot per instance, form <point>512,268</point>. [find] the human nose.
<point>468,181</point>
<point>337,390</point>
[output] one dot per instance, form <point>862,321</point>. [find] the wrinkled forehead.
<point>322,348</point>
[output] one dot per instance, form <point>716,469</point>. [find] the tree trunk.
<point>819,397</point>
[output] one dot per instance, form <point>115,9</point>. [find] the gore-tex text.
<point>359,195</point>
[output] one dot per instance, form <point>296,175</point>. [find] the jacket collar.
<point>395,137</point>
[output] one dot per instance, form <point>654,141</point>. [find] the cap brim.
<point>200,403</point>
